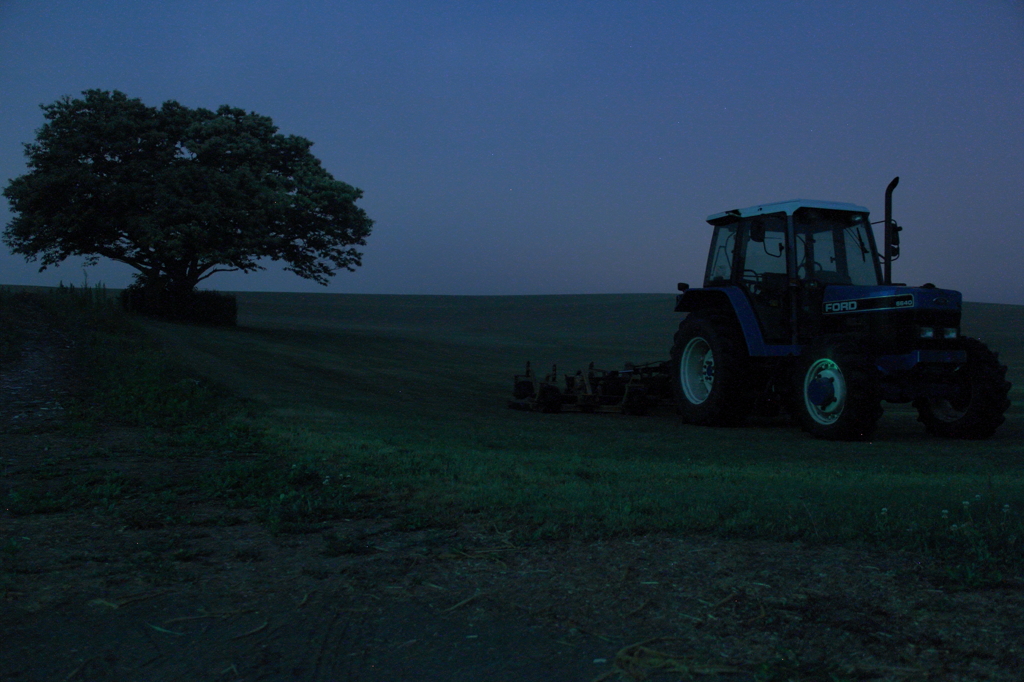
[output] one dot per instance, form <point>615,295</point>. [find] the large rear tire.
<point>837,390</point>
<point>710,370</point>
<point>982,400</point>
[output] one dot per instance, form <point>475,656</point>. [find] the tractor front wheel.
<point>977,409</point>
<point>710,369</point>
<point>837,391</point>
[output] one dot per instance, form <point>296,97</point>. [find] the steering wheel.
<point>753,280</point>
<point>803,266</point>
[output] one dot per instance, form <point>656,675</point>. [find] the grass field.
<point>360,448</point>
<point>403,398</point>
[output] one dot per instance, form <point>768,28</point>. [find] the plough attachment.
<point>633,390</point>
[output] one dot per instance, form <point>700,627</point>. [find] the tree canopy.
<point>179,194</point>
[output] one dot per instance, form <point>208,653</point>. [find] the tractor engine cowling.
<point>899,319</point>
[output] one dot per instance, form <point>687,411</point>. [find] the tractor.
<point>798,311</point>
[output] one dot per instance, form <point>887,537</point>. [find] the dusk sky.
<point>574,147</point>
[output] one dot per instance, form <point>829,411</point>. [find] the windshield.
<point>835,247</point>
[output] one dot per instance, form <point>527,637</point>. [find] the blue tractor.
<point>799,311</point>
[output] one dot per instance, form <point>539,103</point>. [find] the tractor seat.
<point>774,283</point>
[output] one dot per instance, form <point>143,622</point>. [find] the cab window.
<point>834,247</point>
<point>764,246</point>
<point>721,256</point>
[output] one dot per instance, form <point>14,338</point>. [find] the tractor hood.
<point>841,299</point>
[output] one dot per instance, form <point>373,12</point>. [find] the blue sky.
<point>575,147</point>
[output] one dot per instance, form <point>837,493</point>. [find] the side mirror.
<point>896,229</point>
<point>757,231</point>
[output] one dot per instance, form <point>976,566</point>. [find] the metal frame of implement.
<point>633,390</point>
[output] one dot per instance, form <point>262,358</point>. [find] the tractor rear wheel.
<point>710,370</point>
<point>837,390</point>
<point>977,409</point>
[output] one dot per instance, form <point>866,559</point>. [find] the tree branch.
<point>216,270</point>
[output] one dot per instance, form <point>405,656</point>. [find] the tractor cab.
<point>782,257</point>
<point>799,269</point>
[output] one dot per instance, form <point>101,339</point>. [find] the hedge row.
<point>196,307</point>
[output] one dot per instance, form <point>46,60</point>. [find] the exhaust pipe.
<point>891,232</point>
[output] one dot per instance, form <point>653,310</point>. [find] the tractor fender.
<point>724,299</point>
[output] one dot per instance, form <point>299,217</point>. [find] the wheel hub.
<point>824,391</point>
<point>952,407</point>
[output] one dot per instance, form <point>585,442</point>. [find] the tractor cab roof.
<point>787,207</point>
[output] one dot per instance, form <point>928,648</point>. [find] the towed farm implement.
<point>637,389</point>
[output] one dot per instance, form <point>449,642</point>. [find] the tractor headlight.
<point>926,332</point>
<point>949,333</point>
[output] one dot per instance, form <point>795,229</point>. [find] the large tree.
<point>179,194</point>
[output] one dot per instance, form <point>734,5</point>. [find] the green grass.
<point>366,405</point>
<point>404,398</point>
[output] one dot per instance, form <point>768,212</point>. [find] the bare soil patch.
<point>195,589</point>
